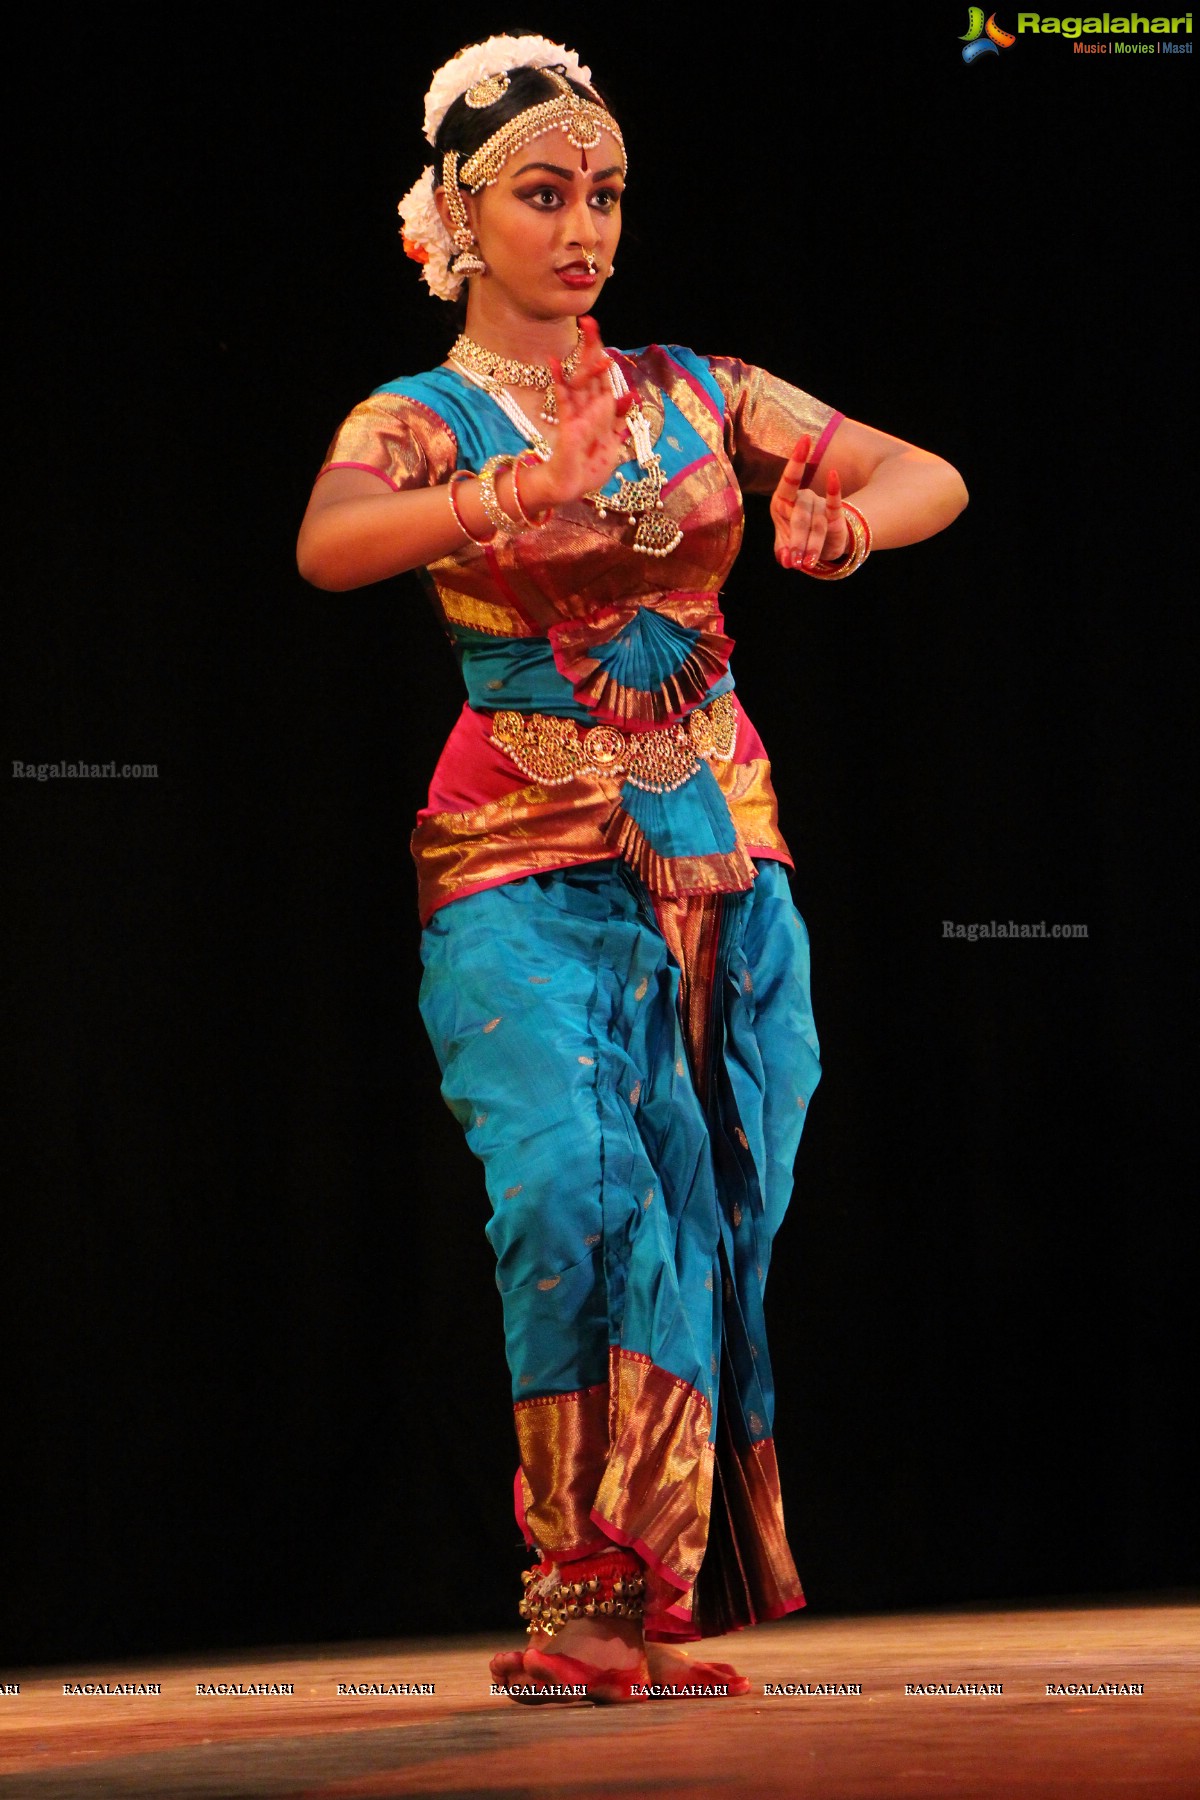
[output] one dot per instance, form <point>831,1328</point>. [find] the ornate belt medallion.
<point>554,751</point>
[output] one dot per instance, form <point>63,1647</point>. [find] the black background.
<point>254,1380</point>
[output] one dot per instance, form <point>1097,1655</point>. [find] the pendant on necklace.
<point>657,533</point>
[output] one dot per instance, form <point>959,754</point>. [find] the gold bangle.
<point>494,466</point>
<point>860,549</point>
<point>463,475</point>
<point>534,520</point>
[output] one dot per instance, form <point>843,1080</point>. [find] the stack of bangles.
<point>500,520</point>
<point>856,555</point>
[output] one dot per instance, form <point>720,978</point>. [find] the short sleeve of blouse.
<point>397,438</point>
<point>764,416</point>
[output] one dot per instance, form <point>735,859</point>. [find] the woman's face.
<point>553,207</point>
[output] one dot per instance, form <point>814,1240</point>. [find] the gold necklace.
<point>655,532</point>
<point>506,371</point>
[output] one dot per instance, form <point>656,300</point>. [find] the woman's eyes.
<point>547,198</point>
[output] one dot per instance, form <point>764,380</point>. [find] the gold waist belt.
<point>554,751</point>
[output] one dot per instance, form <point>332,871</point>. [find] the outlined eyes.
<point>549,199</point>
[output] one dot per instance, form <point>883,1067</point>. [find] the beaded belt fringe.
<point>554,751</point>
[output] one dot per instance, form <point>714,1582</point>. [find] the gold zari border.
<point>656,1495</point>
<point>541,827</point>
<point>563,1442</point>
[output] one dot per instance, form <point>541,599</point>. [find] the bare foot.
<point>605,1643</point>
<point>673,1666</point>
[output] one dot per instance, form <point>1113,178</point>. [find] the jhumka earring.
<point>468,261</point>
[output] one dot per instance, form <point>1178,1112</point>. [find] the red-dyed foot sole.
<point>533,1678</point>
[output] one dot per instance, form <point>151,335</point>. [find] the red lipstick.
<point>577,275</point>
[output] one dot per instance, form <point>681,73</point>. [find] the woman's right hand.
<point>357,530</point>
<point>592,439</point>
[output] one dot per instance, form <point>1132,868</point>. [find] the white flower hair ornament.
<point>426,239</point>
<point>481,73</point>
<point>480,63</point>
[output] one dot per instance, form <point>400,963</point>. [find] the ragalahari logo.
<point>982,39</point>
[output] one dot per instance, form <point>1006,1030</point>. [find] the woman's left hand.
<point>809,527</point>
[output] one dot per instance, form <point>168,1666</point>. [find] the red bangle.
<point>853,557</point>
<point>537,520</point>
<point>464,475</point>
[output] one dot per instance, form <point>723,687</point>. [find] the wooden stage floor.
<point>462,1742</point>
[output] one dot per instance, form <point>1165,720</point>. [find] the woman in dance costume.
<point>616,979</point>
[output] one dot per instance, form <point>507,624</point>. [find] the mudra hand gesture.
<point>592,439</point>
<point>809,527</point>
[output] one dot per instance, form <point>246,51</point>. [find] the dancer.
<point>616,978</point>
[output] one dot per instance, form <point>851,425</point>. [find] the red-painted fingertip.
<point>624,403</point>
<point>803,446</point>
<point>590,329</point>
<point>556,369</point>
<point>833,482</point>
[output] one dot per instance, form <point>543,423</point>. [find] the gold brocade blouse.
<point>574,646</point>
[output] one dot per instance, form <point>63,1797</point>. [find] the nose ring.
<point>590,260</point>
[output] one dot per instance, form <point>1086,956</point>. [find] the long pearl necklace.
<point>656,532</point>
